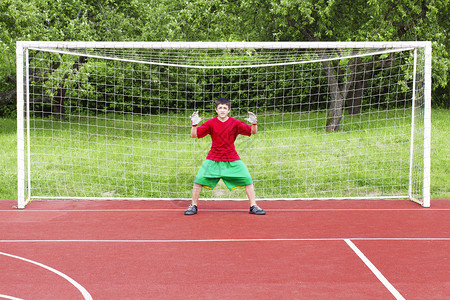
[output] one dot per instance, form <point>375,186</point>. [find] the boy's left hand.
<point>252,118</point>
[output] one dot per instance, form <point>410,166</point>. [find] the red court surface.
<point>300,250</point>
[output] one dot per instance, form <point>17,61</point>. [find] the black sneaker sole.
<point>257,213</point>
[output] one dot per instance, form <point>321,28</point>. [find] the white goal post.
<point>336,120</point>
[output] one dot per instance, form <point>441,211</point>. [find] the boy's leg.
<point>192,209</point>
<point>196,190</point>
<point>254,209</point>
<point>250,191</point>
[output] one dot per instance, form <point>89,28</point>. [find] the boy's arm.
<point>194,131</point>
<point>195,119</point>
<point>253,120</point>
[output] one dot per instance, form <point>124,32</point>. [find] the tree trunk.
<point>59,106</point>
<point>355,96</point>
<point>338,95</point>
<point>334,115</point>
<point>8,97</point>
<point>338,91</point>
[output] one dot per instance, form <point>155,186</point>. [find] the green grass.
<point>289,157</point>
<point>440,153</point>
<point>8,159</point>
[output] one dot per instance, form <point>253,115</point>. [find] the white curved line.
<point>9,297</point>
<point>83,291</point>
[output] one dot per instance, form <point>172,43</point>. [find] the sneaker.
<point>192,210</point>
<point>256,210</point>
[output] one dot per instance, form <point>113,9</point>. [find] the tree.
<point>230,20</point>
<point>60,20</point>
<point>343,20</point>
<point>322,20</point>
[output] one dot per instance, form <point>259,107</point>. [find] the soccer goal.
<point>336,120</point>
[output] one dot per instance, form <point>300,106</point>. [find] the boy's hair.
<point>223,101</point>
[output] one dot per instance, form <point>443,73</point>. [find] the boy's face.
<point>222,110</point>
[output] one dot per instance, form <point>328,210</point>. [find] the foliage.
<point>217,20</point>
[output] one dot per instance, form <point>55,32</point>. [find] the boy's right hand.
<point>195,119</point>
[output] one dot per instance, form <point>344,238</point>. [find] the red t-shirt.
<point>223,135</point>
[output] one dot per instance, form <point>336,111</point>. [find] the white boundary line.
<point>374,270</point>
<point>225,240</point>
<point>83,291</point>
<point>419,209</point>
<point>66,198</point>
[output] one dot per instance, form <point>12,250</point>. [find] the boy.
<point>222,161</point>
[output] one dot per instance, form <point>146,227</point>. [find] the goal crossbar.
<point>223,45</point>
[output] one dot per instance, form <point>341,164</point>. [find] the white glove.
<point>195,119</point>
<point>252,118</point>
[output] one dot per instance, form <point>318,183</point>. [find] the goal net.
<point>108,120</point>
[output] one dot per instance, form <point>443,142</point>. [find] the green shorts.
<point>233,173</point>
